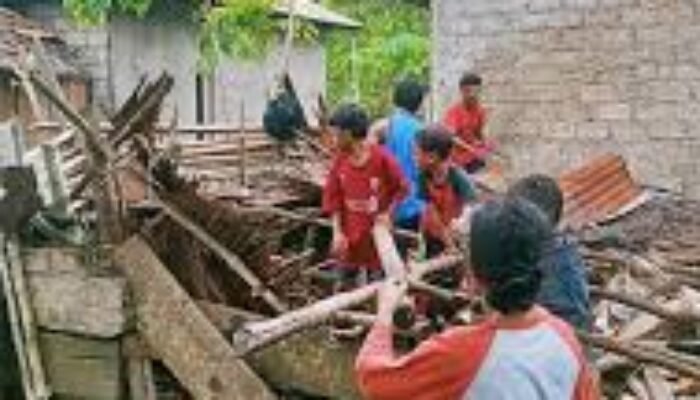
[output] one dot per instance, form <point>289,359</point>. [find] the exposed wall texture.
<point>567,79</point>
<point>251,83</point>
<point>150,47</point>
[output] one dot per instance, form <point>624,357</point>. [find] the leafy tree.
<point>239,29</point>
<point>394,42</point>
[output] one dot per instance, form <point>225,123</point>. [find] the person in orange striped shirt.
<point>519,352</point>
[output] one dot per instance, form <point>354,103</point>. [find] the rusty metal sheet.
<point>598,190</point>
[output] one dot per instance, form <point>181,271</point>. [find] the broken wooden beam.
<point>107,156</point>
<point>180,334</point>
<point>640,354</point>
<point>254,336</point>
<point>646,306</point>
<point>231,259</point>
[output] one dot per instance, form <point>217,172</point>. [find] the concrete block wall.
<point>568,79</point>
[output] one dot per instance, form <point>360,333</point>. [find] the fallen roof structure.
<point>193,255</point>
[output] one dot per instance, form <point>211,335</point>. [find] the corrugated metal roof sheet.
<point>598,190</point>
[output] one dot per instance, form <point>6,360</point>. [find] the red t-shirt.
<point>447,197</point>
<point>359,194</point>
<point>467,124</point>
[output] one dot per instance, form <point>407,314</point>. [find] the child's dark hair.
<point>436,139</point>
<point>409,94</point>
<point>470,79</point>
<point>351,118</point>
<point>506,244</point>
<point>544,192</point>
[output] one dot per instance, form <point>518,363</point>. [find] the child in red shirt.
<point>466,120</point>
<point>445,188</point>
<point>363,187</point>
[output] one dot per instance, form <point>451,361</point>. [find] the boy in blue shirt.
<point>399,138</point>
<point>564,289</point>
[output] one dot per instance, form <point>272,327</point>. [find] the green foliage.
<point>94,12</point>
<point>394,42</point>
<point>239,29</point>
<point>243,29</point>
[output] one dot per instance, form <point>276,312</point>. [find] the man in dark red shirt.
<point>363,186</point>
<point>466,120</point>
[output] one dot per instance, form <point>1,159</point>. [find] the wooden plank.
<point>180,334</point>
<point>82,368</point>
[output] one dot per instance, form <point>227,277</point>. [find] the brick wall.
<point>567,79</point>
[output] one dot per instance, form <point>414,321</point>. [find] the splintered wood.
<point>645,267</point>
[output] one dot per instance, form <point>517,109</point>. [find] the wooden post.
<point>243,152</point>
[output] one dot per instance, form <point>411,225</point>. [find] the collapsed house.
<point>140,264</point>
<point>226,289</point>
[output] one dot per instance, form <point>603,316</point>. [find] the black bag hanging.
<point>284,116</point>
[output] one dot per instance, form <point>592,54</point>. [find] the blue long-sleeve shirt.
<point>564,290</point>
<point>400,141</point>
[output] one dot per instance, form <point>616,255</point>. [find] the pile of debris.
<point>231,228</point>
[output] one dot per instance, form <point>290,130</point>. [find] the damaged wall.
<point>566,79</point>
<point>90,44</point>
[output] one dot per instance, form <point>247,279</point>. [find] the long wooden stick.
<point>645,305</point>
<point>324,222</point>
<point>640,354</point>
<point>253,336</point>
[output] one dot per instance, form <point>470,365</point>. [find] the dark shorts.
<point>474,166</point>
